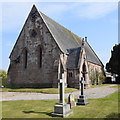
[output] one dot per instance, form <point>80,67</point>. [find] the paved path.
<point>98,92</point>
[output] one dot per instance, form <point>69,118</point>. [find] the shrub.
<point>96,77</point>
<point>3,77</point>
<point>101,78</point>
<point>92,77</point>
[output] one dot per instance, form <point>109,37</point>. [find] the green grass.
<point>97,108</point>
<point>42,90</point>
<point>116,86</point>
<point>93,86</point>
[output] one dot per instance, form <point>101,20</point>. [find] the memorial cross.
<point>62,90</point>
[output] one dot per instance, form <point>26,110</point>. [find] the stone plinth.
<point>62,110</point>
<point>82,100</point>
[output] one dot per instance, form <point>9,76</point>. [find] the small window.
<point>70,74</point>
<point>25,58</point>
<point>77,72</point>
<point>84,68</point>
<point>40,56</point>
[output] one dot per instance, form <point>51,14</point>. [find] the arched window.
<point>25,58</point>
<point>84,68</point>
<point>39,56</point>
<point>70,74</point>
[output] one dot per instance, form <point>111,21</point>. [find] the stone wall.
<point>35,57</point>
<point>34,35</point>
<point>93,68</point>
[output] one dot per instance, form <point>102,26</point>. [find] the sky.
<point>96,20</point>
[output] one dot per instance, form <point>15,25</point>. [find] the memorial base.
<point>82,100</point>
<point>62,110</point>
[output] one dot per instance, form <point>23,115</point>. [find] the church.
<point>45,51</point>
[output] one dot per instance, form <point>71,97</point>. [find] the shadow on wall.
<point>113,115</point>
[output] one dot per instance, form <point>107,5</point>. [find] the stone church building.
<point>44,49</point>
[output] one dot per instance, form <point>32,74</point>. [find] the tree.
<point>96,77</point>
<point>92,77</point>
<point>101,78</point>
<point>3,77</point>
<point>113,66</point>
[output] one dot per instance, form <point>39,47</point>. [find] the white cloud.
<point>14,14</point>
<point>56,10</point>
<point>90,10</point>
<point>96,10</point>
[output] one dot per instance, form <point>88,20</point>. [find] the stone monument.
<point>62,109</point>
<point>71,100</point>
<point>82,100</point>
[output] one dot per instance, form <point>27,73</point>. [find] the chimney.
<point>85,38</point>
<point>83,41</point>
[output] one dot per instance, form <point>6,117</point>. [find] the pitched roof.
<point>65,38</point>
<point>68,40</point>
<point>73,58</point>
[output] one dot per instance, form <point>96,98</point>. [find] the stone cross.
<point>82,85</point>
<point>81,99</point>
<point>62,101</point>
<point>62,109</point>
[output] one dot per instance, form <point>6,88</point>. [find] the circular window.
<point>33,33</point>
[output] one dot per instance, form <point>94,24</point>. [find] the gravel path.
<point>98,92</point>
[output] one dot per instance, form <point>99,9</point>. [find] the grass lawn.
<point>98,108</point>
<point>116,86</point>
<point>93,86</point>
<point>42,90</point>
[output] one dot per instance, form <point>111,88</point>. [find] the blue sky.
<point>96,20</point>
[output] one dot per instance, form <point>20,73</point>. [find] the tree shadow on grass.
<point>113,115</point>
<point>46,113</point>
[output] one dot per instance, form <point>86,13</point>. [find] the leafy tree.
<point>92,77</point>
<point>101,78</point>
<point>3,77</point>
<point>113,66</point>
<point>96,77</point>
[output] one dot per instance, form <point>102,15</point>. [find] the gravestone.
<point>71,100</point>
<point>82,100</point>
<point>62,109</point>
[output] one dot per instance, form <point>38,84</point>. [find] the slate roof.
<point>64,38</point>
<point>73,58</point>
<point>68,40</point>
